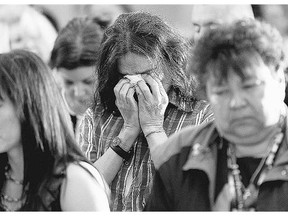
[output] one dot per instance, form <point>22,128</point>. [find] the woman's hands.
<point>148,112</point>
<point>152,104</point>
<point>127,105</point>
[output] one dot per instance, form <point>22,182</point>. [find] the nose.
<point>237,100</point>
<point>79,91</point>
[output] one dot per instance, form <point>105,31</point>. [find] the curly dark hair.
<point>143,34</point>
<point>237,46</point>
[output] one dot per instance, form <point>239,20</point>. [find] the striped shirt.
<point>99,128</point>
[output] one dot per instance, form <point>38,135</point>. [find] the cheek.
<point>269,105</point>
<point>10,128</point>
<point>220,110</point>
<point>88,90</point>
<point>68,89</point>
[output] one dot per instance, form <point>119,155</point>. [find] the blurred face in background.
<point>108,12</point>
<point>28,29</point>
<point>205,17</point>
<point>25,36</point>
<point>78,87</point>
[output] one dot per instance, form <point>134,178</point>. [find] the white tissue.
<point>134,78</point>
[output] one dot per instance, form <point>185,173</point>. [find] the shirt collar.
<point>180,101</point>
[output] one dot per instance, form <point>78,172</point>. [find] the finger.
<point>145,91</point>
<point>154,85</point>
<point>123,92</point>
<point>162,90</point>
<point>160,84</point>
<point>130,96</point>
<point>118,87</point>
<point>139,92</point>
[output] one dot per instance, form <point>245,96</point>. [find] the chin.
<point>244,131</point>
<point>242,135</point>
<point>80,110</point>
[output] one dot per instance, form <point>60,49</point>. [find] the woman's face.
<point>244,108</point>
<point>10,127</point>
<point>132,64</point>
<point>27,34</point>
<point>78,85</point>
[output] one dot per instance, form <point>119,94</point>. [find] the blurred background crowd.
<point>178,16</point>
<point>70,39</point>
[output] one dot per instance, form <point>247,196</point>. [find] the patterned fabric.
<point>98,129</point>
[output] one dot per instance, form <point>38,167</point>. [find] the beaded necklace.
<point>245,198</point>
<point>7,200</point>
<point>9,177</point>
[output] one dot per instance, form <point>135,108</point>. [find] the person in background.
<point>238,162</point>
<point>41,167</point>
<point>49,15</point>
<point>205,17</point>
<point>144,96</point>
<point>73,60</point>
<point>28,29</point>
<point>275,14</point>
<point>107,13</point>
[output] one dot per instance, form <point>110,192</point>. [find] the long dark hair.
<point>142,34</point>
<point>46,130</point>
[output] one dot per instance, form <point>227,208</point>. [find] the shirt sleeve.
<point>86,138</point>
<point>208,114</point>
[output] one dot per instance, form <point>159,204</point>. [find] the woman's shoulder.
<point>81,171</point>
<point>83,189</point>
<point>89,169</point>
<point>185,138</point>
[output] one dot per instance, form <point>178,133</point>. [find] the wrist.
<point>127,138</point>
<point>153,131</point>
<point>130,131</point>
<point>126,154</point>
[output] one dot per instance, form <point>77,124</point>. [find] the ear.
<point>280,77</point>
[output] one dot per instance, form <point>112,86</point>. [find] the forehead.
<point>252,72</point>
<point>202,14</point>
<point>113,10</point>
<point>25,27</point>
<point>77,74</point>
<point>136,64</point>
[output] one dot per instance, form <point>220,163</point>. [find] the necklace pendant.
<point>250,197</point>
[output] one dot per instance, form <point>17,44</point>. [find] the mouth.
<point>241,120</point>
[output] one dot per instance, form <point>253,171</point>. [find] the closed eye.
<point>88,82</point>
<point>221,91</point>
<point>252,84</point>
<point>68,82</point>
